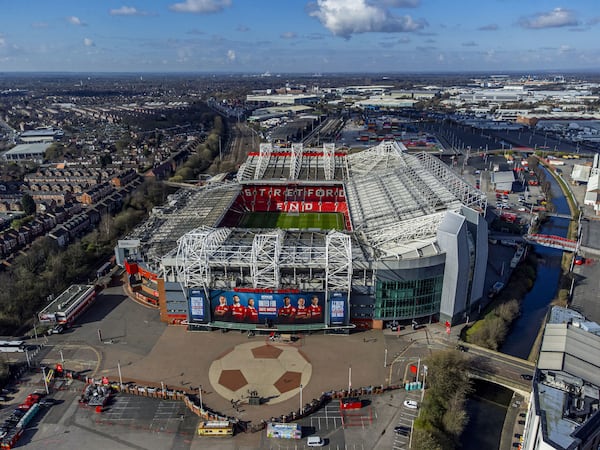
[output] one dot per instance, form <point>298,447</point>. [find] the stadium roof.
<point>396,200</point>
<point>186,211</point>
<point>294,164</point>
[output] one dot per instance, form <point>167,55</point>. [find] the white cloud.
<point>73,20</point>
<point>564,49</point>
<point>346,17</point>
<point>490,27</point>
<point>558,17</point>
<point>401,3</point>
<point>200,6</point>
<point>490,56</point>
<point>230,55</point>
<point>289,35</point>
<point>2,41</point>
<point>88,42</point>
<point>127,11</point>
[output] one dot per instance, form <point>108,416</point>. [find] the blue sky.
<point>298,35</point>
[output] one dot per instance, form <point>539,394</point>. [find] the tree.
<point>28,204</point>
<point>443,416</point>
<point>105,160</point>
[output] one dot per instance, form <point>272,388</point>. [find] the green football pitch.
<point>322,221</point>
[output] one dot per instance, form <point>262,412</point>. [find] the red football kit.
<point>251,314</point>
<point>238,312</point>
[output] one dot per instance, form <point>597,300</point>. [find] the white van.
<point>315,441</point>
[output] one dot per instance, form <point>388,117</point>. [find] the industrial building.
<point>564,410</point>
<point>33,152</point>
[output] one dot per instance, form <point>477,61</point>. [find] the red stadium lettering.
<point>277,198</point>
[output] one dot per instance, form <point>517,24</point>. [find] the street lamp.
<point>35,328</point>
<point>200,392</point>
<point>45,380</point>
<point>120,376</point>
<point>424,376</point>
<point>301,404</point>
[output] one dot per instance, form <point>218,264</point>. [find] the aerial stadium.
<point>316,239</point>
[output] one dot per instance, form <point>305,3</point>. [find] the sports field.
<point>322,221</point>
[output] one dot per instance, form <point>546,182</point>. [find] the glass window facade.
<point>409,298</point>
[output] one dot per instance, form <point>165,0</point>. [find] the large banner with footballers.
<point>261,307</point>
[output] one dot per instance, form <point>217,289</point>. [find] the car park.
<point>411,404</point>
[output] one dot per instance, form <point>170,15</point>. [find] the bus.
<point>284,430</point>
<point>68,305</point>
<point>350,403</point>
<point>12,346</point>
<point>215,428</point>
<point>104,270</point>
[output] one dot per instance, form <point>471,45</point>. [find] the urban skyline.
<point>322,36</point>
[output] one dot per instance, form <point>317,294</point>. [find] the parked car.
<point>57,329</point>
<point>315,441</point>
<point>411,404</point>
<point>402,430</point>
<point>579,260</point>
<point>526,376</point>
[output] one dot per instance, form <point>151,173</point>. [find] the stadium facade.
<point>316,239</point>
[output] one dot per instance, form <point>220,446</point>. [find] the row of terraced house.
<point>72,203</point>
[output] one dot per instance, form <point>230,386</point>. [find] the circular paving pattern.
<point>275,372</point>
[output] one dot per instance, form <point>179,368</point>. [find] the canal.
<point>487,406</point>
<point>524,330</point>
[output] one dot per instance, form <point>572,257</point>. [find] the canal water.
<point>534,306</point>
<point>487,406</point>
